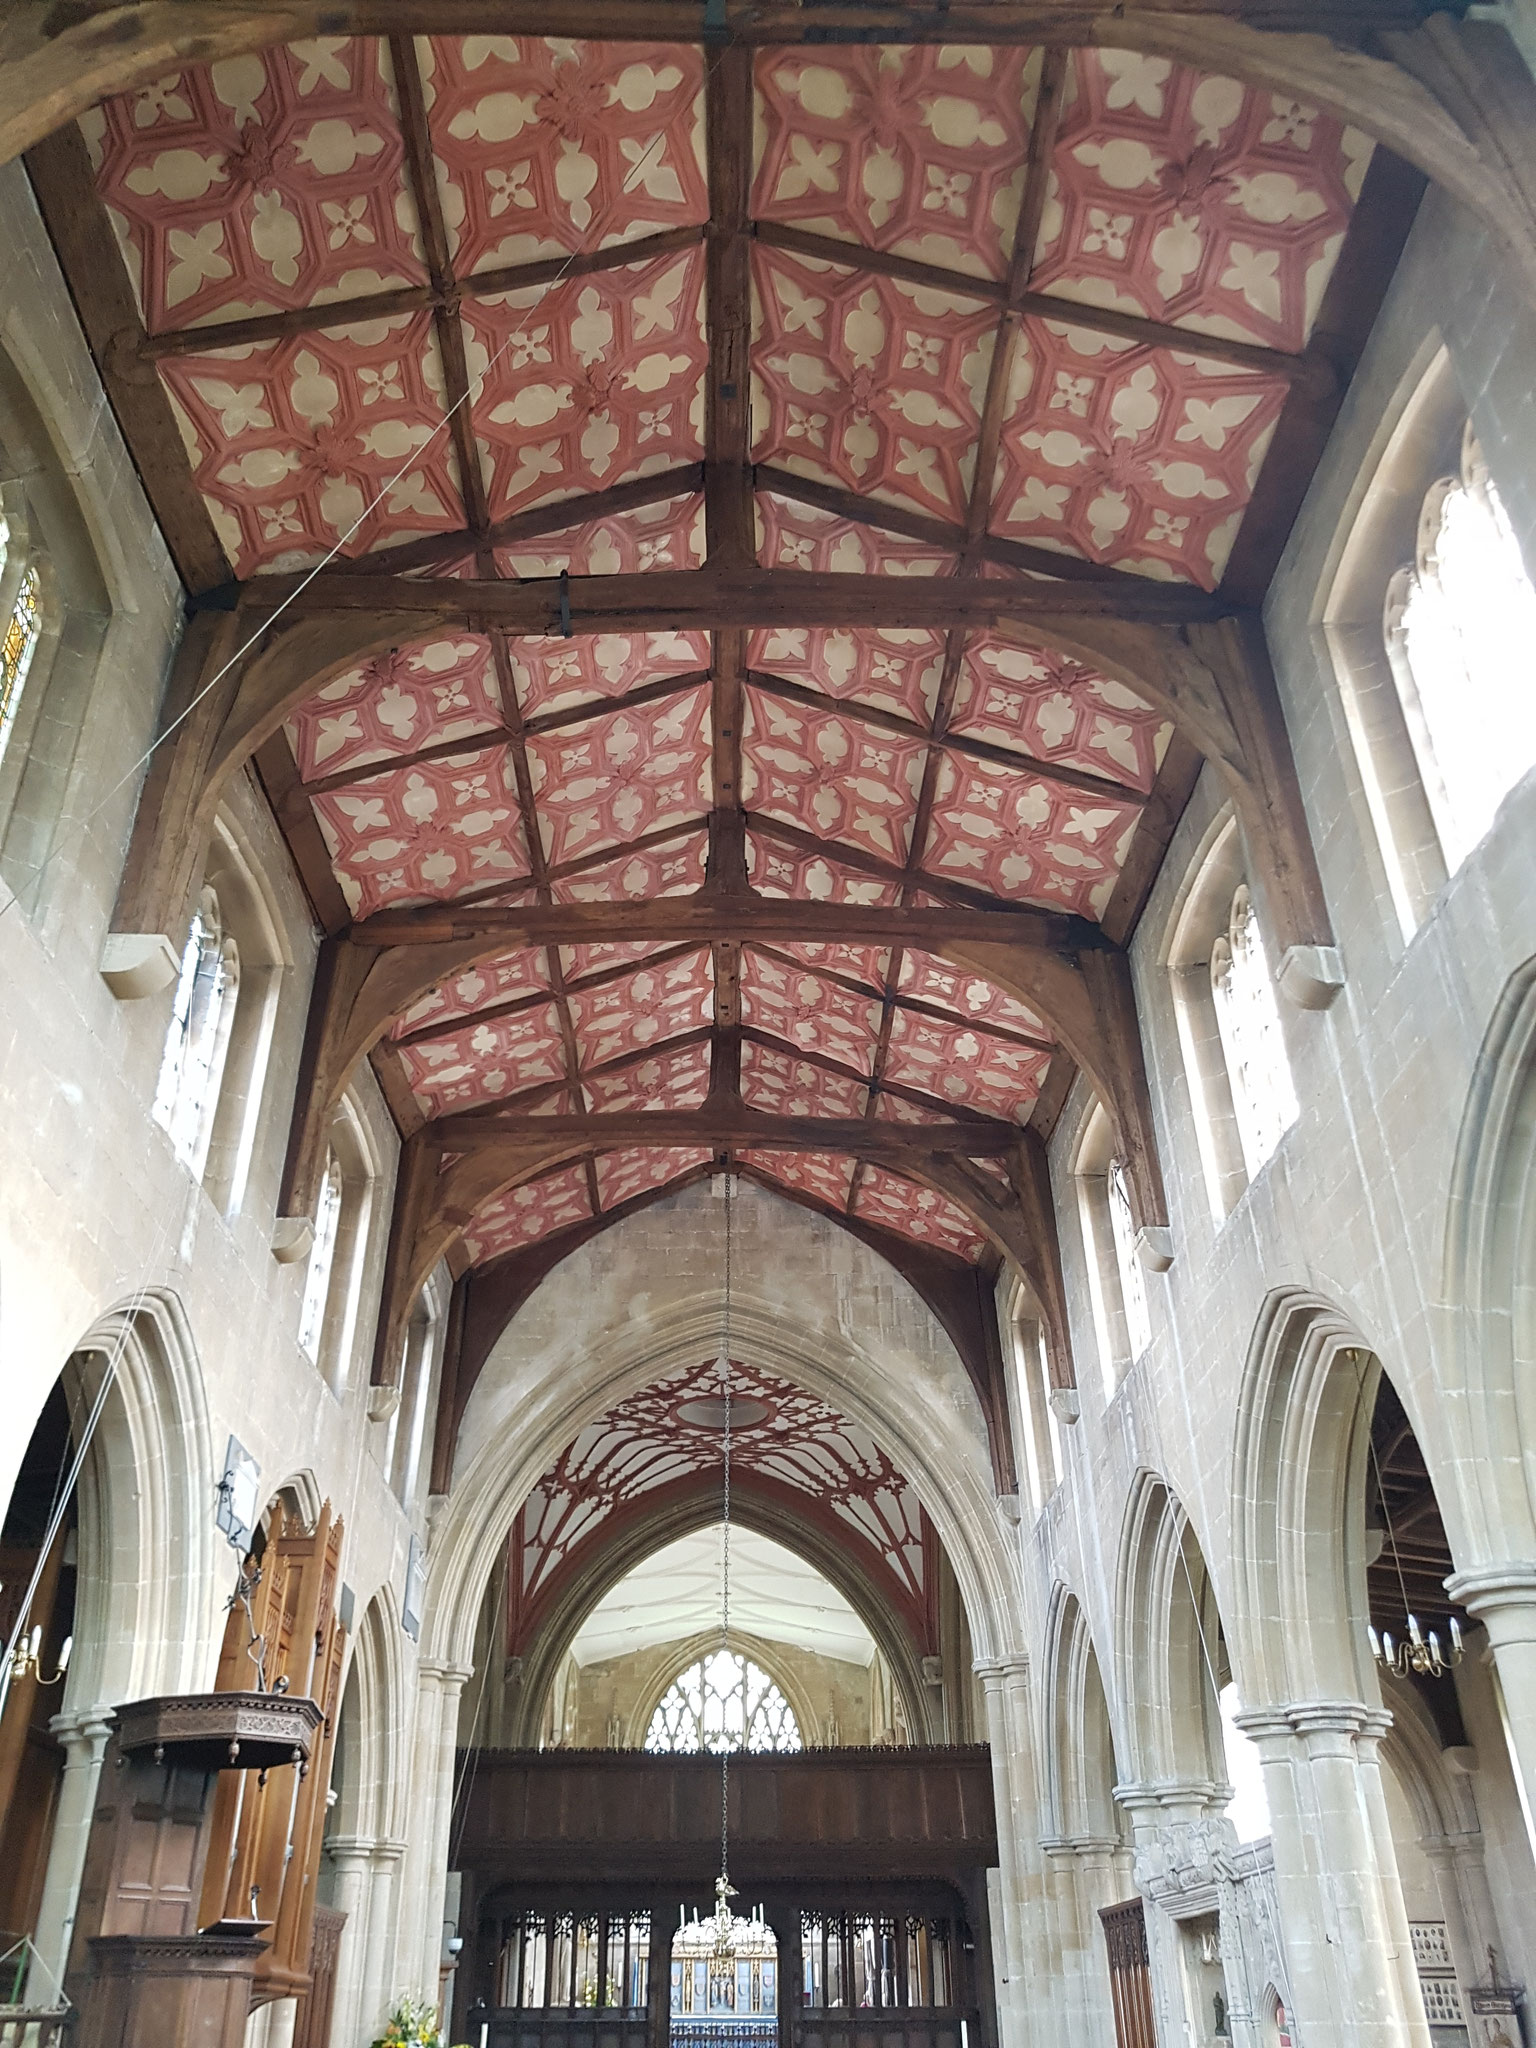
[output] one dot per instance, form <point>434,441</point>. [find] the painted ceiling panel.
<point>619,776</point>
<point>1048,706</point>
<point>425,833</point>
<point>437,690</point>
<point>932,980</point>
<point>917,1212</point>
<point>914,149</point>
<point>643,1009</point>
<point>779,870</point>
<point>1025,838</point>
<point>963,1065</point>
<point>831,775</point>
<point>623,1175</point>
<point>671,1080</point>
<point>525,1214</point>
<point>1196,199</point>
<point>307,445</point>
<point>795,536</point>
<point>599,379</point>
<point>896,668</point>
<point>484,1061</point>
<point>639,874</point>
<point>545,144</point>
<point>807,1010</point>
<point>502,980</point>
<point>259,183</point>
<point>552,673</point>
<point>665,536</point>
<point>825,1175</point>
<point>577,962</point>
<point>868,382</point>
<point>784,1086</point>
<point>1131,456</point>
<point>867,964</point>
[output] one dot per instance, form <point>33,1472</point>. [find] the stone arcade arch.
<point>366,1838</point>
<point>679,1515</point>
<point>845,1327</point>
<point>146,1492</point>
<point>1087,1857</point>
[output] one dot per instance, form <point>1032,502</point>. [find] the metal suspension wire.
<point>723,1891</point>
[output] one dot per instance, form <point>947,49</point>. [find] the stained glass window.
<point>22,630</point>
<point>1460,627</point>
<point>1248,1017</point>
<point>202,1012</point>
<point>723,1702</point>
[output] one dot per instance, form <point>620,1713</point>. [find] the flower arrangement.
<point>412,2024</point>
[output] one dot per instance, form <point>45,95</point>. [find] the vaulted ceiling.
<point>635,411</point>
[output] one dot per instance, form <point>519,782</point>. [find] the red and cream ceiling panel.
<point>785,1444</point>
<point>274,182</point>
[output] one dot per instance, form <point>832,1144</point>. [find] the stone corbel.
<point>1310,976</point>
<point>138,964</point>
<point>382,1403</point>
<point>293,1238</point>
<point>1154,1247</point>
<point>1066,1404</point>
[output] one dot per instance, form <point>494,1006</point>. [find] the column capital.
<point>1497,1589</point>
<point>998,1670</point>
<point>447,1677</point>
<point>86,1728</point>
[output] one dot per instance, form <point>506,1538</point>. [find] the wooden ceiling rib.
<point>705,416</point>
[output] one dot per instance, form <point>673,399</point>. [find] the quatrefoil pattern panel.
<point>617,777</point>
<point>545,145</point>
<point>422,695</point>
<point>1196,199</point>
<point>260,183</point>
<point>914,149</point>
<point>1051,708</point>
<point>523,1215</point>
<point>917,1212</point>
<point>425,833</point>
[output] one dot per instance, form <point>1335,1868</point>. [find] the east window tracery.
<point>723,1702</point>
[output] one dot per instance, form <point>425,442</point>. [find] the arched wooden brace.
<point>1447,95</point>
<point>598,1563</point>
<point>961,1296</point>
<point>434,1206</point>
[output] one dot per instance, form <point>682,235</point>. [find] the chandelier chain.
<point>724,1368</point>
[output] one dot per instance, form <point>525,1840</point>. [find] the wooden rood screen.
<point>265,1846</point>
<point>1130,1977</point>
<point>877,1980</point>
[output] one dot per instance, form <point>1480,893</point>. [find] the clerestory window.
<point>197,1042</point>
<point>322,1258</point>
<point>1248,1019</point>
<point>1460,627</point>
<point>23,630</point>
<point>723,1702</point>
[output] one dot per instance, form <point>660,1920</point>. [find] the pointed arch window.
<point>1248,1019</point>
<point>196,1045</point>
<point>723,1702</point>
<point>23,630</point>
<point>1133,1275</point>
<point>322,1258</point>
<point>1460,624</point>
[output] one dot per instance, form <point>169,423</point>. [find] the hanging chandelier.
<point>724,1941</point>
<point>1417,1653</point>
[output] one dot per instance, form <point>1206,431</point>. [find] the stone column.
<point>1180,1832</point>
<point>1503,1598</point>
<point>435,1813</point>
<point>1395,1911</point>
<point>382,1951</point>
<point>1339,1929</point>
<point>83,1735</point>
<point>348,1856</point>
<point>1024,1962</point>
<point>1466,1953</point>
<point>1083,1875</point>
